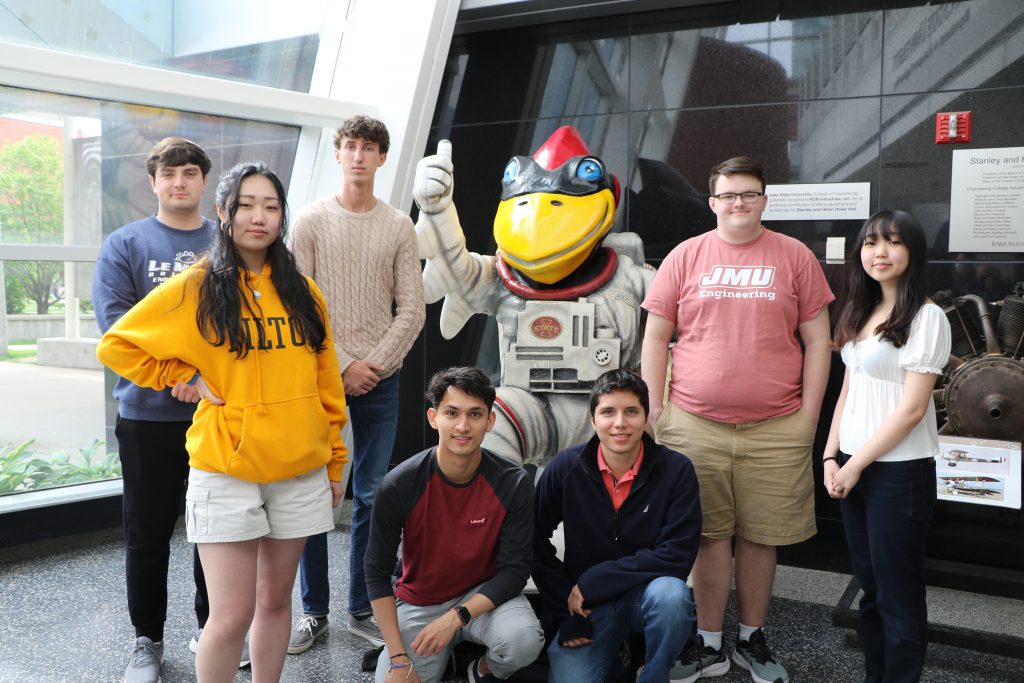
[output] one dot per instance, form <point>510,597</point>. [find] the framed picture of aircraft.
<point>979,471</point>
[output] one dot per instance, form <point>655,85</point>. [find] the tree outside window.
<point>32,212</point>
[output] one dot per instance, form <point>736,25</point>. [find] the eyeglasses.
<point>745,197</point>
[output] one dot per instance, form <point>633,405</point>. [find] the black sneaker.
<point>698,661</point>
<point>754,656</point>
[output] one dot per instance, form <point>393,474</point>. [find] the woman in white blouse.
<point>879,459</point>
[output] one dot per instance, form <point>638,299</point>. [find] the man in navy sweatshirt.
<point>631,516</point>
<point>151,425</point>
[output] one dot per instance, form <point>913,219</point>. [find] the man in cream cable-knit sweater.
<point>362,254</point>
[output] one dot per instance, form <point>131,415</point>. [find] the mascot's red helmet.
<point>555,208</point>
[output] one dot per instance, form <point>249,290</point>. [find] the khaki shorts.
<point>755,479</point>
<point>222,509</point>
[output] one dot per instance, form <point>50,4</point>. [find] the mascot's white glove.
<point>435,180</point>
<point>466,281</point>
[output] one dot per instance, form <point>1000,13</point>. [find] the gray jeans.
<point>510,632</point>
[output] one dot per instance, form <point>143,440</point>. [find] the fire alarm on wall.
<point>952,127</point>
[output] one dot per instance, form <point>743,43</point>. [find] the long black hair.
<point>865,293</point>
<point>219,313</point>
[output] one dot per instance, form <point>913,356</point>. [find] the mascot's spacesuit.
<point>566,299</point>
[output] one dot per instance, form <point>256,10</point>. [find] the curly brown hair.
<point>362,127</point>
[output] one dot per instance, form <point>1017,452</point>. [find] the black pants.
<point>154,466</point>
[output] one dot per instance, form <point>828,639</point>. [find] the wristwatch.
<point>464,615</point>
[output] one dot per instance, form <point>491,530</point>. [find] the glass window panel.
<point>956,45</point>
<point>275,46</point>
<point>513,75</point>
<point>72,170</point>
<point>52,431</point>
<point>779,61</point>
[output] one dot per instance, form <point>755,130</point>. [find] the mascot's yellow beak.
<point>546,236</point>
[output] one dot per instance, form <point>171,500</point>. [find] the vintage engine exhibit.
<point>982,394</point>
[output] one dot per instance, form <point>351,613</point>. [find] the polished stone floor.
<point>63,620</point>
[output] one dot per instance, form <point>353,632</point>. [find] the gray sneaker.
<point>144,664</point>
<point>754,656</point>
<point>366,628</point>
<point>246,660</point>
<point>698,661</point>
<point>306,632</point>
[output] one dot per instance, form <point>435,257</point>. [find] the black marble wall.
<point>662,96</point>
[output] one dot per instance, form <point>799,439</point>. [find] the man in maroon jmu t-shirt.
<point>464,518</point>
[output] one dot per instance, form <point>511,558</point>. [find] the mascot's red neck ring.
<point>524,291</point>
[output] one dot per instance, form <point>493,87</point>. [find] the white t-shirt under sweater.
<point>363,262</point>
<point>878,371</point>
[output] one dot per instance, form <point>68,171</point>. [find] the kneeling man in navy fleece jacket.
<point>631,515</point>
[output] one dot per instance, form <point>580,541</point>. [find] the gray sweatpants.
<point>510,632</point>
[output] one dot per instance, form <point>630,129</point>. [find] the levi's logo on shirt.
<point>477,521</point>
<point>738,282</point>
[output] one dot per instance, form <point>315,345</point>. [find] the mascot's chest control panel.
<point>558,348</point>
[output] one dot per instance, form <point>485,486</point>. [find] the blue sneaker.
<point>754,656</point>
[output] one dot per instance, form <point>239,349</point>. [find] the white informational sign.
<point>979,471</point>
<point>986,200</point>
<point>818,202</point>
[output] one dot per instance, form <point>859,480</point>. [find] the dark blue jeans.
<point>886,517</point>
<point>374,418</point>
<point>662,610</point>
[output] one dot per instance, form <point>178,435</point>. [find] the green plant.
<point>22,470</point>
<point>15,354</point>
<point>16,468</point>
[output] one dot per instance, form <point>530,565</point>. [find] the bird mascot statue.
<point>565,293</point>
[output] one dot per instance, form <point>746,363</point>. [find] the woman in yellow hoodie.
<point>265,449</point>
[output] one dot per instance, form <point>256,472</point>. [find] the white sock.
<point>711,638</point>
<point>747,631</point>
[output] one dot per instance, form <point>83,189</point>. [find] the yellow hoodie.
<point>284,405</point>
